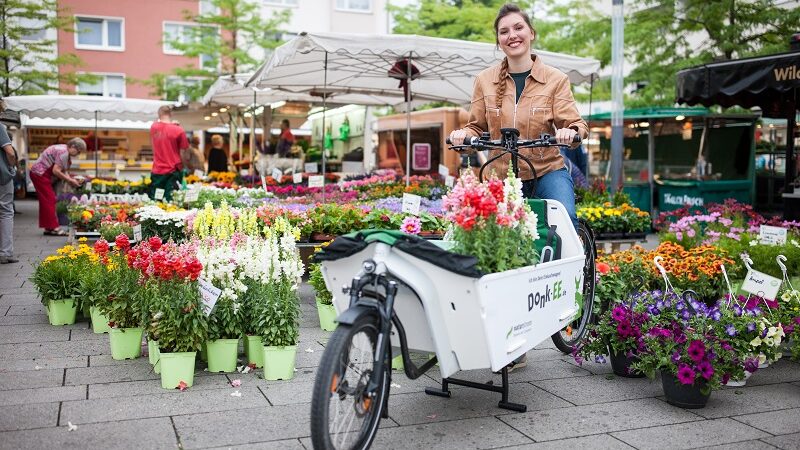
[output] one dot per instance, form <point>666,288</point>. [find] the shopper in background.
<point>8,170</point>
<point>169,145</point>
<point>54,161</point>
<point>194,157</point>
<point>286,139</point>
<point>217,156</point>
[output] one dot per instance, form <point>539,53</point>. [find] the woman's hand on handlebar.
<point>565,136</point>
<point>457,136</point>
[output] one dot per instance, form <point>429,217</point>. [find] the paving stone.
<point>744,445</point>
<point>26,310</point>
<point>36,319</point>
<point>688,435</point>
<point>21,417</point>
<point>150,387</point>
<point>409,409</point>
<point>52,349</point>
<point>591,366</point>
<point>595,419</point>
<point>601,389</point>
<point>12,335</point>
<point>31,379</point>
<point>540,370</point>
<point>107,360</point>
<point>87,334</point>
<point>169,403</point>
<point>13,365</point>
<point>42,395</point>
<point>785,442</point>
<point>251,425</point>
<point>728,402</point>
<point>596,442</point>
<point>485,432</point>
<point>775,422</point>
<point>288,444</point>
<point>145,433</point>
<point>110,374</point>
<point>305,359</point>
<point>19,299</point>
<point>781,372</point>
<point>12,282</point>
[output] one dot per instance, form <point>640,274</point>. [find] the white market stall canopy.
<point>114,112</point>
<point>360,64</point>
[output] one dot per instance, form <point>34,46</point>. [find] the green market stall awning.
<point>651,113</point>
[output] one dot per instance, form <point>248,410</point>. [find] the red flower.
<point>154,243</point>
<point>101,247</point>
<point>122,242</point>
<point>603,268</point>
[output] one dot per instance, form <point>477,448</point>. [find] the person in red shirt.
<point>170,153</point>
<point>286,139</point>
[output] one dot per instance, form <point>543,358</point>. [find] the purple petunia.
<point>751,326</point>
<point>730,330</point>
<point>685,374</point>
<point>706,369</point>
<point>676,357</point>
<point>737,310</point>
<point>696,350</point>
<point>751,365</point>
<point>600,359</point>
<point>618,314</point>
<point>624,329</point>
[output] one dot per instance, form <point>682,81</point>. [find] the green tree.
<point>29,63</point>
<point>225,41</point>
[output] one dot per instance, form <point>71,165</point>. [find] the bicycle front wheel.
<point>343,416</point>
<point>570,336</point>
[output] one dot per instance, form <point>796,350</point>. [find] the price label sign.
<point>772,235</point>
<point>199,173</point>
<point>450,181</point>
<point>191,195</point>
<point>120,166</point>
<point>209,293</point>
<point>444,171</point>
<point>159,194</point>
<point>277,175</point>
<point>103,188</point>
<point>316,181</point>
<point>297,178</point>
<point>761,284</point>
<point>311,167</point>
<point>411,203</point>
<point>137,233</point>
<point>244,172</point>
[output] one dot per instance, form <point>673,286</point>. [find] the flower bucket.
<point>203,352</point>
<point>397,363</point>
<point>739,383</point>
<point>86,311</point>
<point>176,367</point>
<point>99,321</point>
<point>279,362</point>
<point>154,355</point>
<point>254,350</point>
<point>621,364</point>
<point>126,343</point>
<point>683,395</point>
<point>222,355</point>
<point>327,316</point>
<point>61,312</point>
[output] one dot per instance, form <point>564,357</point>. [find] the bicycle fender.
<point>352,314</point>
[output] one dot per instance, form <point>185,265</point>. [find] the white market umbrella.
<point>125,112</point>
<point>440,69</point>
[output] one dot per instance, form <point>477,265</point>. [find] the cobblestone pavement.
<point>53,376</point>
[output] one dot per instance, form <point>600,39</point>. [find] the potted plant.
<point>93,284</point>
<point>224,329</point>
<point>176,321</point>
<point>253,348</point>
<point>324,297</point>
<point>279,325</point>
<point>57,279</point>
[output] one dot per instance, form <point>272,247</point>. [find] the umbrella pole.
<point>408,120</point>
<point>252,135</point>
<point>324,111</point>
<point>96,156</point>
<point>791,123</point>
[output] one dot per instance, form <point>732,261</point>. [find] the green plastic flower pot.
<point>203,352</point>
<point>61,312</point>
<point>327,316</point>
<point>222,355</point>
<point>152,351</point>
<point>279,362</point>
<point>177,367</point>
<point>86,311</point>
<point>254,350</point>
<point>397,363</point>
<point>126,343</point>
<point>99,321</point>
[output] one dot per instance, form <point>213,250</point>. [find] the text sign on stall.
<point>277,175</point>
<point>316,181</point>
<point>297,178</point>
<point>772,235</point>
<point>137,233</point>
<point>411,203</point>
<point>450,181</point>
<point>191,195</point>
<point>199,173</point>
<point>421,157</point>
<point>444,171</point>
<point>210,295</point>
<point>311,167</point>
<point>159,195</point>
<point>761,284</point>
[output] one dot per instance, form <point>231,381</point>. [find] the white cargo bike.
<point>396,294</point>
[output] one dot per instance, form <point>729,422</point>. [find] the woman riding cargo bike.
<point>397,294</point>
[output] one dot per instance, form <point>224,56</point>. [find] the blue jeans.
<point>555,185</point>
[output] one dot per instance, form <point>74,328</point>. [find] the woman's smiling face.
<point>514,35</point>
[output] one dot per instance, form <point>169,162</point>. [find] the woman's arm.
<point>565,110</point>
<point>477,112</point>
<point>60,173</point>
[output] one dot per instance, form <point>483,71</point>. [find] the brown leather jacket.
<point>546,104</point>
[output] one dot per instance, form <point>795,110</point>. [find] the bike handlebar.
<point>472,141</point>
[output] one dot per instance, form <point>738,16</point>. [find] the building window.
<point>354,5</point>
<point>106,86</point>
<point>100,33</point>
<point>183,33</point>
<point>281,2</point>
<point>207,7</point>
<point>34,29</point>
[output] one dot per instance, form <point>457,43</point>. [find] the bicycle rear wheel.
<point>567,338</point>
<point>343,416</point>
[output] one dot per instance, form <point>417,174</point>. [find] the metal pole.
<point>96,150</point>
<point>324,110</point>
<point>651,158</point>
<point>791,123</point>
<point>252,135</point>
<point>408,120</point>
<point>617,60</point>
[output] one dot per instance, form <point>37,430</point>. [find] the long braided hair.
<point>508,8</point>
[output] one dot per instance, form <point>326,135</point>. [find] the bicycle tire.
<point>563,340</point>
<point>335,356</point>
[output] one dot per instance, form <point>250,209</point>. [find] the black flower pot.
<point>621,365</point>
<point>607,236</point>
<point>683,395</point>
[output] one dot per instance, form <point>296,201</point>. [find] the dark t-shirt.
<point>519,81</point>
